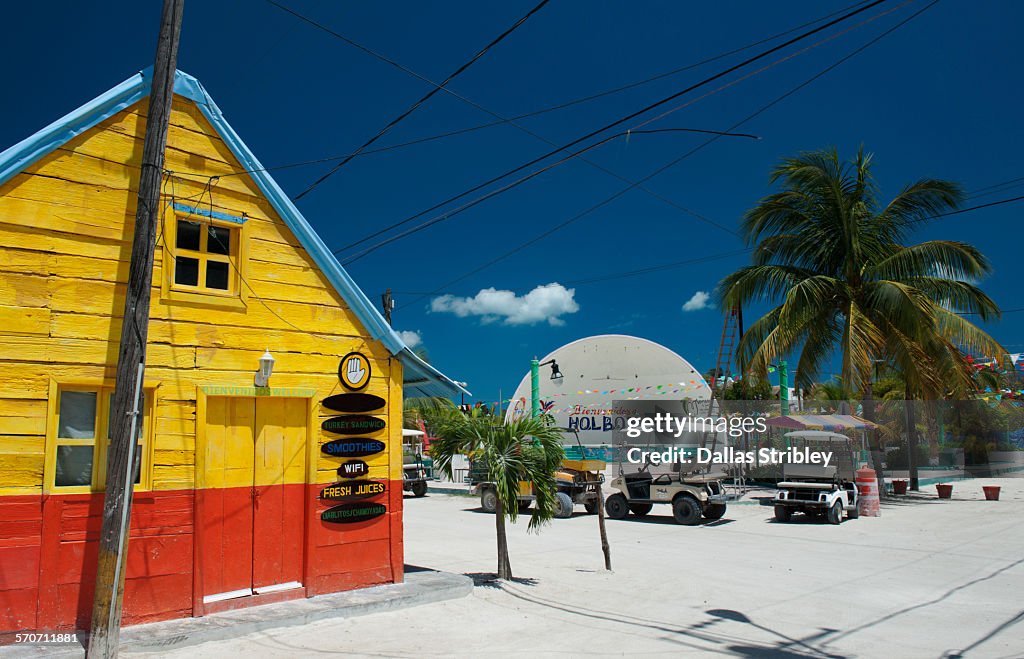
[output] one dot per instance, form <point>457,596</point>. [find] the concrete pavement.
<point>929,578</point>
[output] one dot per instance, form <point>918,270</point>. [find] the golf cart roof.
<point>817,435</point>
<point>406,432</point>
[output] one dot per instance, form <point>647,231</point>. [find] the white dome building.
<point>598,370</point>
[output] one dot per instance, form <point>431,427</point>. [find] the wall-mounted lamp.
<point>262,378</point>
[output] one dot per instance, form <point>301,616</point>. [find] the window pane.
<point>138,463</point>
<point>74,466</point>
<point>219,241</point>
<point>139,424</point>
<point>77,415</point>
<point>186,271</point>
<point>217,275</point>
<point>188,235</point>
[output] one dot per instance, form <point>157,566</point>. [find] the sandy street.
<point>908,584</point>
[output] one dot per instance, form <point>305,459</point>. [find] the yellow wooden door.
<point>226,500</point>
<point>280,483</point>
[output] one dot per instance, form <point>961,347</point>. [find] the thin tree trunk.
<point>874,446</point>
<point>605,547</point>
<point>504,566</point>
<point>912,444</point>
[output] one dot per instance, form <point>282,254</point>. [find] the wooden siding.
<point>66,226</point>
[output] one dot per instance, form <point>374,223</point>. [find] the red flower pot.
<point>899,486</point>
<point>945,490</point>
<point>991,492</point>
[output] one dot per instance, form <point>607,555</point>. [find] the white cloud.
<point>544,303</point>
<point>410,338</point>
<point>700,300</point>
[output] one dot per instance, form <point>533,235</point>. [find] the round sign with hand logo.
<point>354,371</point>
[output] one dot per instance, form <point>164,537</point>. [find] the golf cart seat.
<point>639,484</point>
<point>809,472</point>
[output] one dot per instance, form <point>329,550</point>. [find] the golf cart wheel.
<point>419,489</point>
<point>640,509</point>
<point>616,506</point>
<point>563,505</point>
<point>714,511</point>
<point>489,500</point>
<point>782,513</point>
<point>591,506</point>
<point>853,514</point>
<point>524,506</point>
<point>686,511</point>
<point>835,513</point>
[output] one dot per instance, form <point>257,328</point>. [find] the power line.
<point>508,120</point>
<point>512,122</point>
<point>637,113</point>
<point>633,184</point>
<point>412,108</point>
<point>658,171</point>
<point>519,181</point>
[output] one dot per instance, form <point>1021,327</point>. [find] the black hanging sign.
<point>352,490</point>
<point>349,513</point>
<point>353,469</point>
<point>353,424</point>
<point>356,447</point>
<point>353,403</point>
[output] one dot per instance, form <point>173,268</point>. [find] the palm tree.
<point>831,396</point>
<point>833,260</point>
<point>521,450</point>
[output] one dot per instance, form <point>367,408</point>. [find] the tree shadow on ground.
<point>491,580</point>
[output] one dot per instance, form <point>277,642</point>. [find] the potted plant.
<point>899,486</point>
<point>945,490</point>
<point>991,492</point>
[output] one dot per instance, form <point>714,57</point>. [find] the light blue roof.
<point>421,379</point>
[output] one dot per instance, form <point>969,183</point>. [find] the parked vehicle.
<point>693,496</point>
<point>816,490</point>
<point>578,481</point>
<point>414,475</point>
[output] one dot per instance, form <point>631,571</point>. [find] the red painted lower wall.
<point>48,553</point>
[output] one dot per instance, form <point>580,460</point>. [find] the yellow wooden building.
<point>227,509</point>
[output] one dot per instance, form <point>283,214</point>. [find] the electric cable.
<point>505,120</point>
<point>637,113</point>
<point>412,108</point>
<point>658,171</point>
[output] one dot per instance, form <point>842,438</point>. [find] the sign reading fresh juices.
<point>349,513</point>
<point>352,490</point>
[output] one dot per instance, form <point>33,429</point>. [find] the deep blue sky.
<point>941,97</point>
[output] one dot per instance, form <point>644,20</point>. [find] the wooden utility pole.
<point>127,413</point>
<point>388,303</point>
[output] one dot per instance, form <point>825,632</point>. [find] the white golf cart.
<point>814,489</point>
<point>414,476</point>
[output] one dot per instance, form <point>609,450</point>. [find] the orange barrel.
<point>867,492</point>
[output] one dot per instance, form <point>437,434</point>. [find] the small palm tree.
<point>514,451</point>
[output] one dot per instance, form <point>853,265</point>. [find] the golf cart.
<point>578,481</point>
<point>414,476</point>
<point>817,490</point>
<point>692,495</point>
